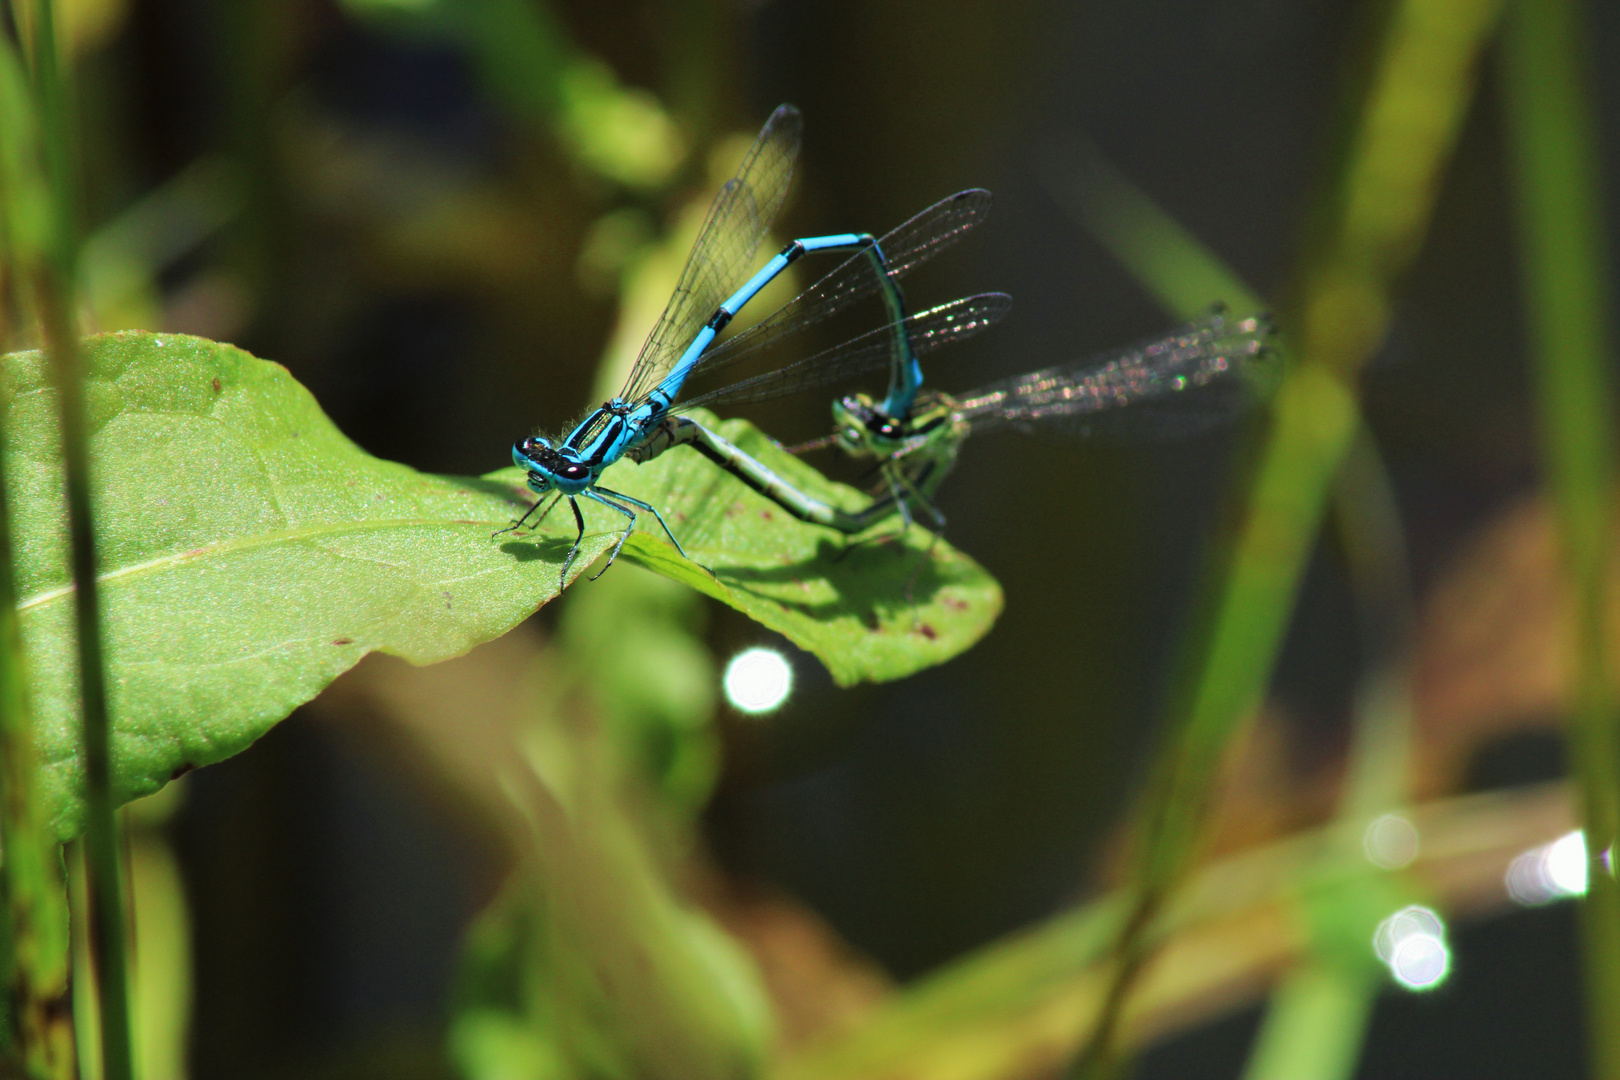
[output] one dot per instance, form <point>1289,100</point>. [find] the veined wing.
<point>1202,374</point>
<point>905,247</point>
<point>722,257</point>
<point>942,325</point>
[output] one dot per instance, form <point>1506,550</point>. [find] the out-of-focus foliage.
<point>36,1038</point>
<point>24,208</point>
<point>1027,1003</point>
<point>1568,295</point>
<point>1318,1012</point>
<point>588,963</point>
<point>617,132</point>
<point>1372,224</point>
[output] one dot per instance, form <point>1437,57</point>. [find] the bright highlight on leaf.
<point>758,680</point>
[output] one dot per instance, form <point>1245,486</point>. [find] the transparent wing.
<point>929,329</point>
<point>909,245</point>
<point>723,255</point>
<point>1201,375</point>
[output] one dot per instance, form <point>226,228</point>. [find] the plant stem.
<point>1373,222</point>
<point>1317,1017</point>
<point>1183,274</point>
<point>57,308</point>
<point>1565,282</point>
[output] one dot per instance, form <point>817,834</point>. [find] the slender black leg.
<point>898,478</point>
<point>653,510</point>
<point>627,512</point>
<point>921,499</point>
<point>889,475</point>
<point>519,522</point>
<point>579,520</point>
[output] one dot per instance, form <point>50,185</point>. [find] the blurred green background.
<point>434,212</point>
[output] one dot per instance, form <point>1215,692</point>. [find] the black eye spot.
<point>574,472</point>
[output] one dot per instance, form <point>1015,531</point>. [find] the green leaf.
<point>876,608</point>
<point>250,553</point>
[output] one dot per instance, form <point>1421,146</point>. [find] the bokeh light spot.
<point>1420,962</point>
<point>1549,872</point>
<point>758,680</point>
<point>1390,842</point>
<point>1413,943</point>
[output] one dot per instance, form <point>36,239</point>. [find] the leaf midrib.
<point>245,543</point>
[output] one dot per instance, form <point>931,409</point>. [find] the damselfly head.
<point>863,428</point>
<point>852,417</point>
<point>548,466</point>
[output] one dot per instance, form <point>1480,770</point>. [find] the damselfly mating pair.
<point>639,423</point>
<point>913,433</point>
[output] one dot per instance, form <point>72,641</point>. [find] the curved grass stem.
<point>1565,281</point>
<point>1373,220</point>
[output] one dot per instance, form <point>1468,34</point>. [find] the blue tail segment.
<point>893,300</point>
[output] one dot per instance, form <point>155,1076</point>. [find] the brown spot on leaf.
<point>955,603</point>
<point>343,641</point>
<point>217,386</point>
<point>767,515</point>
<point>927,631</point>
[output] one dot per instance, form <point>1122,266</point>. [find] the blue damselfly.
<point>638,421</point>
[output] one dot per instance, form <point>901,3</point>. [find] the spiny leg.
<point>579,519</point>
<point>622,536</point>
<point>519,522</point>
<point>891,476</point>
<point>899,500</point>
<point>938,530</point>
<point>627,512</point>
<point>651,509</point>
<point>916,493</point>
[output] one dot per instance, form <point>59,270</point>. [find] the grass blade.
<point>1021,1006</point>
<point>1182,273</point>
<point>59,315</point>
<point>1374,220</point>
<point>1561,232</point>
<point>1319,1009</point>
